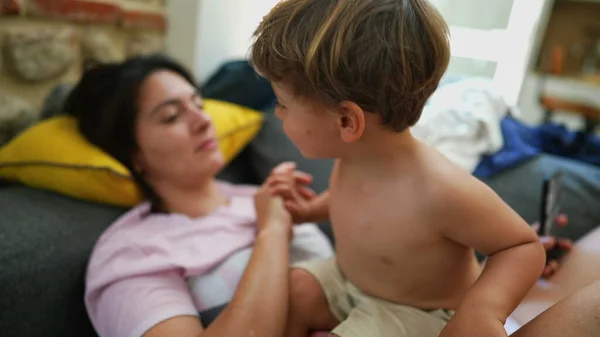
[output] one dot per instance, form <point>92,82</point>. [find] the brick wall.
<point>44,43</point>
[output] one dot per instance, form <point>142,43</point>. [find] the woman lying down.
<point>196,243</point>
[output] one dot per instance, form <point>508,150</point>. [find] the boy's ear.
<point>351,121</point>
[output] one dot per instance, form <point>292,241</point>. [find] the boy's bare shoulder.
<point>467,211</point>
<point>451,189</point>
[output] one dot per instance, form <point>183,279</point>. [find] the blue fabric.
<point>523,142</point>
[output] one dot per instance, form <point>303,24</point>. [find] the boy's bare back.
<point>390,241</point>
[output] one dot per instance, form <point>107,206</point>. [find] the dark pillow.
<point>238,83</point>
<point>239,171</point>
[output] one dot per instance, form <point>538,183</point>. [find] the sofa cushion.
<point>237,82</point>
<point>521,188</point>
<point>45,241</point>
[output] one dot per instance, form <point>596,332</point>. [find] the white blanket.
<point>462,121</point>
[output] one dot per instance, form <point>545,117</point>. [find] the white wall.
<point>205,33</point>
<point>225,31</point>
<point>480,14</point>
<point>182,32</point>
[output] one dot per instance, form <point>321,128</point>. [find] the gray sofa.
<point>46,238</point>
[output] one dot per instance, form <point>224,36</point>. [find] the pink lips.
<point>207,145</point>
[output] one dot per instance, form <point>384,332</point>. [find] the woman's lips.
<point>207,145</point>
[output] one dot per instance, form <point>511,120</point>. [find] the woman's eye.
<point>170,119</point>
<point>171,114</point>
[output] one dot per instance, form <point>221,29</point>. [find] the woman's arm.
<point>259,306</point>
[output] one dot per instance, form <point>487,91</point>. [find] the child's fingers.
<point>565,244</point>
<point>286,172</point>
<point>290,184</point>
<point>548,242</point>
<point>285,167</point>
<point>547,272</point>
<point>274,179</point>
<point>550,268</point>
<point>562,220</point>
<point>280,191</point>
<point>289,177</point>
<point>292,207</point>
<point>280,179</point>
<point>307,193</point>
<point>291,191</point>
<point>281,188</point>
<point>536,226</point>
<point>302,178</point>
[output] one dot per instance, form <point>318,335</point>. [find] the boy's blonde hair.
<point>387,56</point>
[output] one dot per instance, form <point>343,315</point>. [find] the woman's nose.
<point>199,119</point>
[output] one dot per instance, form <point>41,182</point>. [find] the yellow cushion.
<point>53,155</point>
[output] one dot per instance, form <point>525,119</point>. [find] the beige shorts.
<point>366,316</point>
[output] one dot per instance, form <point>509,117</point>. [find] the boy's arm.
<point>473,215</point>
<point>320,208</point>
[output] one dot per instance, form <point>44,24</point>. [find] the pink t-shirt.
<point>149,267</point>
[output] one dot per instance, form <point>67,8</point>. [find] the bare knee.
<point>305,291</point>
<point>308,303</point>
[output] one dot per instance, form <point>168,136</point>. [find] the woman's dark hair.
<point>105,105</point>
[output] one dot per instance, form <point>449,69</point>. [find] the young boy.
<point>351,77</point>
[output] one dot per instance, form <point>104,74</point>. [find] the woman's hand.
<point>551,242</point>
<point>260,304</point>
<point>292,186</point>
<point>270,211</point>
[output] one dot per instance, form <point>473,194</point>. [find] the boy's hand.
<point>550,243</point>
<point>291,184</point>
<point>470,324</point>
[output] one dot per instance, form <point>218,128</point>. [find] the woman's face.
<point>177,142</point>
